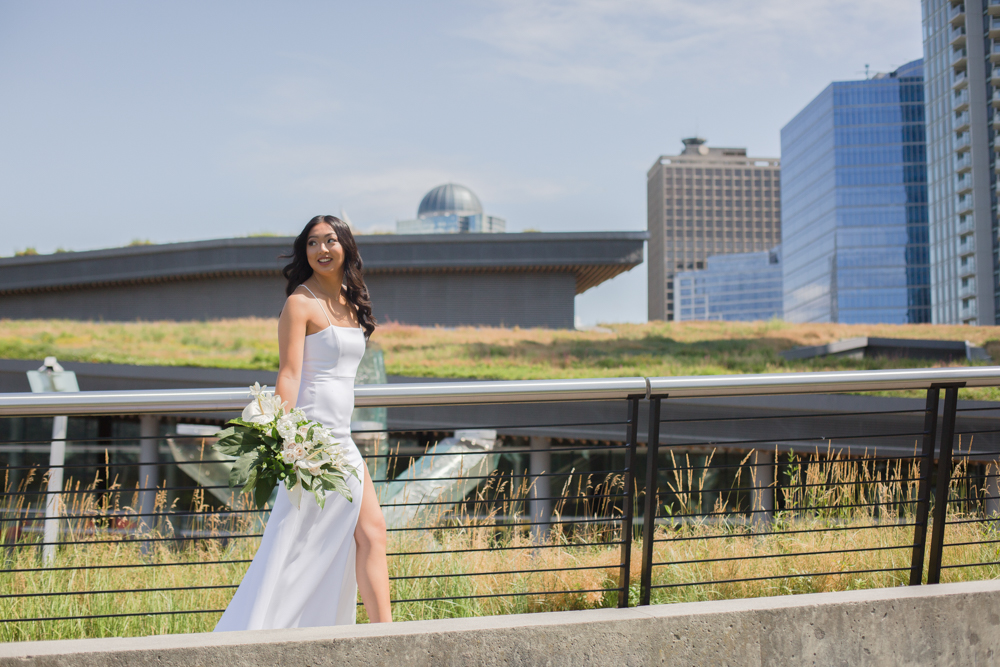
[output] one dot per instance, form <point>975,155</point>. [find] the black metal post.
<point>632,434</point>
<point>924,486</point>
<point>942,485</point>
<point>652,502</point>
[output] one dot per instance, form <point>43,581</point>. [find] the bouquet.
<point>271,446</point>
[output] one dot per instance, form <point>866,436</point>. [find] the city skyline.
<point>140,122</point>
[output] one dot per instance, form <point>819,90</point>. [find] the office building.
<point>451,209</point>
<point>743,286</point>
<point>854,203</point>
<point>961,50</point>
<point>706,201</point>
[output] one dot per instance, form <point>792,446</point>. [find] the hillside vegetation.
<point>654,349</point>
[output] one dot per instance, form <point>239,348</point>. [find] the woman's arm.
<point>291,343</point>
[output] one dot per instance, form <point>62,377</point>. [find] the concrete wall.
<point>949,624</point>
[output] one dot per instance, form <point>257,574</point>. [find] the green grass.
<point>488,353</point>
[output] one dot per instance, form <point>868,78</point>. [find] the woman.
<point>311,561</point>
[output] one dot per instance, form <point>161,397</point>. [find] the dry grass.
<point>722,548</point>
<point>654,349</point>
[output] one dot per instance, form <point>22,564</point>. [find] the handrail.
<point>821,382</point>
<point>516,391</point>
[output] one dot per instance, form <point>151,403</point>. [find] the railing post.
<point>926,469</point>
<point>942,484</point>
<point>652,499</point>
<point>632,436</point>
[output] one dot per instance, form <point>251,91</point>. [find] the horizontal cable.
<point>786,555</point>
<point>992,562</point>
<point>978,520</point>
<point>134,540</point>
<point>784,532</point>
<point>797,509</point>
<point>785,464</point>
<point>822,438</point>
<point>127,566</point>
<point>123,590</point>
<point>486,574</point>
<point>577,473</point>
<point>488,501</point>
<point>41,518</point>
<point>791,416</point>
<point>78,618</point>
<point>440,552</point>
<point>782,576</point>
<point>506,595</point>
<point>512,524</point>
<point>723,489</point>
<point>102,491</point>
<point>968,544</point>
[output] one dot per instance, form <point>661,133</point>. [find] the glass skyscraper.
<point>744,286</point>
<point>854,203</point>
<point>962,65</point>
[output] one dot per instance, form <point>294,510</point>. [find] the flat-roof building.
<point>738,287</point>
<point>706,201</point>
<point>528,280</point>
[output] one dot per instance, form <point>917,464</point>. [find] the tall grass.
<point>843,525</point>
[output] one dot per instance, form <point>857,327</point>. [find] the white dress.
<point>303,574</point>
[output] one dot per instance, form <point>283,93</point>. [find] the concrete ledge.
<point>947,624</point>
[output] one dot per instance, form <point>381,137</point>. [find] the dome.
<point>449,199</point>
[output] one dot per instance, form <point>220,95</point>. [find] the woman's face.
<point>323,250</point>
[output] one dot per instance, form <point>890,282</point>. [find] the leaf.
<point>251,480</point>
<point>262,490</point>
<point>241,468</point>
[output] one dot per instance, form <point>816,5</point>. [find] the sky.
<point>184,121</point>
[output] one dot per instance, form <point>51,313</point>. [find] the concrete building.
<point>854,203</point>
<point>742,286</point>
<point>527,280</point>
<point>451,209</point>
<point>706,201</point>
<point>962,80</point>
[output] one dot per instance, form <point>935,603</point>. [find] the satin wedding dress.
<point>303,574</point>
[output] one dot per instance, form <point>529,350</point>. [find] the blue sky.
<point>182,121</point>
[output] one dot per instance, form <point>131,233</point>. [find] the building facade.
<point>854,203</point>
<point>451,209</point>
<point>743,286</point>
<point>706,201</point>
<point>961,49</point>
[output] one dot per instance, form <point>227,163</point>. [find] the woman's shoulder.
<point>297,302</point>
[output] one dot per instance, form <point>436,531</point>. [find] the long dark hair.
<point>298,270</point>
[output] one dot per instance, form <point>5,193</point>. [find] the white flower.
<point>264,406</point>
<point>293,452</point>
<point>286,428</point>
<point>303,430</point>
<point>296,415</point>
<point>324,436</point>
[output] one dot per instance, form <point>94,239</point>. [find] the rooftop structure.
<point>706,201</point>
<point>450,280</point>
<point>451,209</point>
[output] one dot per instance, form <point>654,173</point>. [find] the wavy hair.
<point>298,270</point>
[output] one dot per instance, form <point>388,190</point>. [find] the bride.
<point>311,561</point>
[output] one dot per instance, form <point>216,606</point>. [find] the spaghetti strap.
<point>329,321</point>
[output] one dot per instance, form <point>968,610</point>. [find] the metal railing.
<point>601,492</point>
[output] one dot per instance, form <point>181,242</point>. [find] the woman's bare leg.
<point>372,566</point>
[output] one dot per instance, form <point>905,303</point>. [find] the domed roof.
<point>449,198</point>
